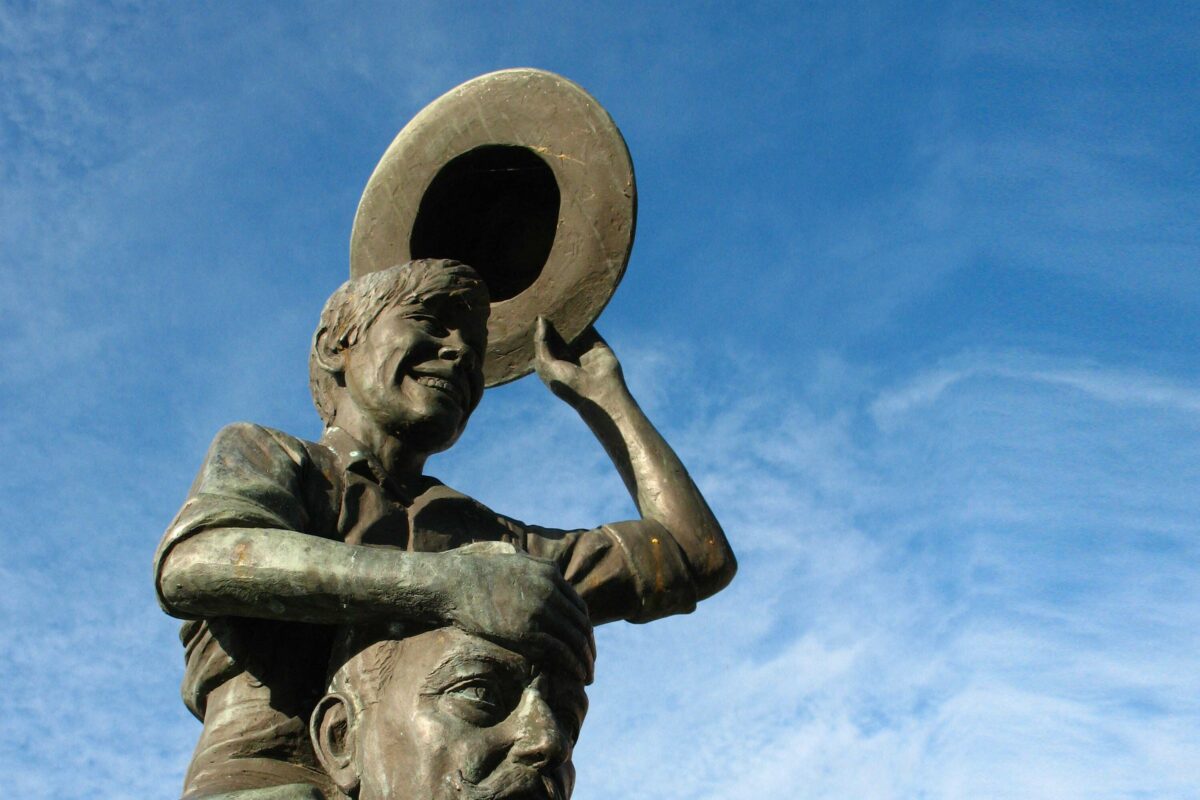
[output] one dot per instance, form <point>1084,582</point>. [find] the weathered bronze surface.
<point>355,628</point>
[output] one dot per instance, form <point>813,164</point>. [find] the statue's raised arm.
<point>685,553</point>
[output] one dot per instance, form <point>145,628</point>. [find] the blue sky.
<point>914,294</point>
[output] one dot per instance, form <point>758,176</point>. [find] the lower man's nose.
<point>542,741</point>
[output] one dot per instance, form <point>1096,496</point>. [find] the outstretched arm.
<point>240,547</point>
<point>487,588</point>
<point>589,378</point>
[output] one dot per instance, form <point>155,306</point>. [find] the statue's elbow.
<point>184,581</point>
<point>718,571</point>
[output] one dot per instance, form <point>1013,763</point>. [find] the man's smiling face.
<point>417,370</point>
<point>461,717</point>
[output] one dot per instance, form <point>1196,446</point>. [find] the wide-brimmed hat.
<point>522,175</point>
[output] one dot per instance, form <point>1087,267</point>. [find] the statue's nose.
<point>541,739</point>
<point>457,350</point>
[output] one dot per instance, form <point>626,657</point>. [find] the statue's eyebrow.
<point>461,663</point>
<point>441,303</point>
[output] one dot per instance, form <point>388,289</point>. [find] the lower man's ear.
<point>333,730</point>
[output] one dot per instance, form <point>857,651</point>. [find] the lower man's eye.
<point>477,699</point>
<point>478,694</point>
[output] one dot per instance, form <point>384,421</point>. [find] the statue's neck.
<point>399,460</point>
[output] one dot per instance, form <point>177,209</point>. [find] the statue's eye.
<point>429,324</point>
<point>478,700</point>
<point>477,693</point>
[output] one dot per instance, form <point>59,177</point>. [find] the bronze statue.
<point>285,547</point>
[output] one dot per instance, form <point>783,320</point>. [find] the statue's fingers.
<point>568,592</point>
<point>567,646</point>
<point>550,647</point>
<point>578,637</point>
<point>590,346</point>
<point>577,625</point>
<point>588,339</point>
<point>556,346</point>
<point>543,336</point>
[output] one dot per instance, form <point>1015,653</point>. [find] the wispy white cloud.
<point>1118,387</point>
<point>894,634</point>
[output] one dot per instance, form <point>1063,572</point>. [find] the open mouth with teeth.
<point>443,386</point>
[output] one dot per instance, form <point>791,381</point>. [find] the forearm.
<point>486,588</point>
<point>660,484</point>
<point>280,574</point>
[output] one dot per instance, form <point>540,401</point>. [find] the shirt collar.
<point>353,456</point>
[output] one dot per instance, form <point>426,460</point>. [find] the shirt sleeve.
<point>251,478</point>
<point>626,570</point>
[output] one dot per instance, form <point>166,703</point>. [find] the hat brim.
<point>518,114</point>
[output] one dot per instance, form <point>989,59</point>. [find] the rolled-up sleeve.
<point>626,570</point>
<point>251,478</point>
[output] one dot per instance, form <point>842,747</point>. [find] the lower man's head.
<point>402,350</point>
<point>444,714</point>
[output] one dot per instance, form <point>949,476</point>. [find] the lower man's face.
<point>461,717</point>
<point>417,371</point>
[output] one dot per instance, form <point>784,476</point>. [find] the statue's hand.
<point>497,592</point>
<point>586,370</point>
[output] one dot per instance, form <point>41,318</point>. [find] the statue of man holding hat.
<point>283,540</point>
<point>286,549</point>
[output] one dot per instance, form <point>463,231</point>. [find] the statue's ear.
<point>328,352</point>
<point>334,733</point>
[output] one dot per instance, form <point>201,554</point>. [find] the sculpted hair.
<point>357,302</point>
<point>363,659</point>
